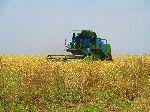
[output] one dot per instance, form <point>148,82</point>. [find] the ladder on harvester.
<point>108,57</point>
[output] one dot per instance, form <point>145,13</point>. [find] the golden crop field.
<point>34,84</point>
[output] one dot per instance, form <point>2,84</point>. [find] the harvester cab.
<point>89,46</point>
<point>86,45</point>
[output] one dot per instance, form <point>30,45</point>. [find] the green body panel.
<point>108,48</point>
<point>95,47</point>
<point>72,45</point>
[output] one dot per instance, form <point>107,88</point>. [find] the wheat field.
<point>34,84</point>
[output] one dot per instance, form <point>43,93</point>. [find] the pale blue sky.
<point>40,26</point>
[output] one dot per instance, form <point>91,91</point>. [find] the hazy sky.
<point>40,26</point>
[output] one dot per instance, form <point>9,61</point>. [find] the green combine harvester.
<point>86,45</point>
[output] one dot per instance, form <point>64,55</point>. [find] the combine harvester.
<point>85,45</point>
